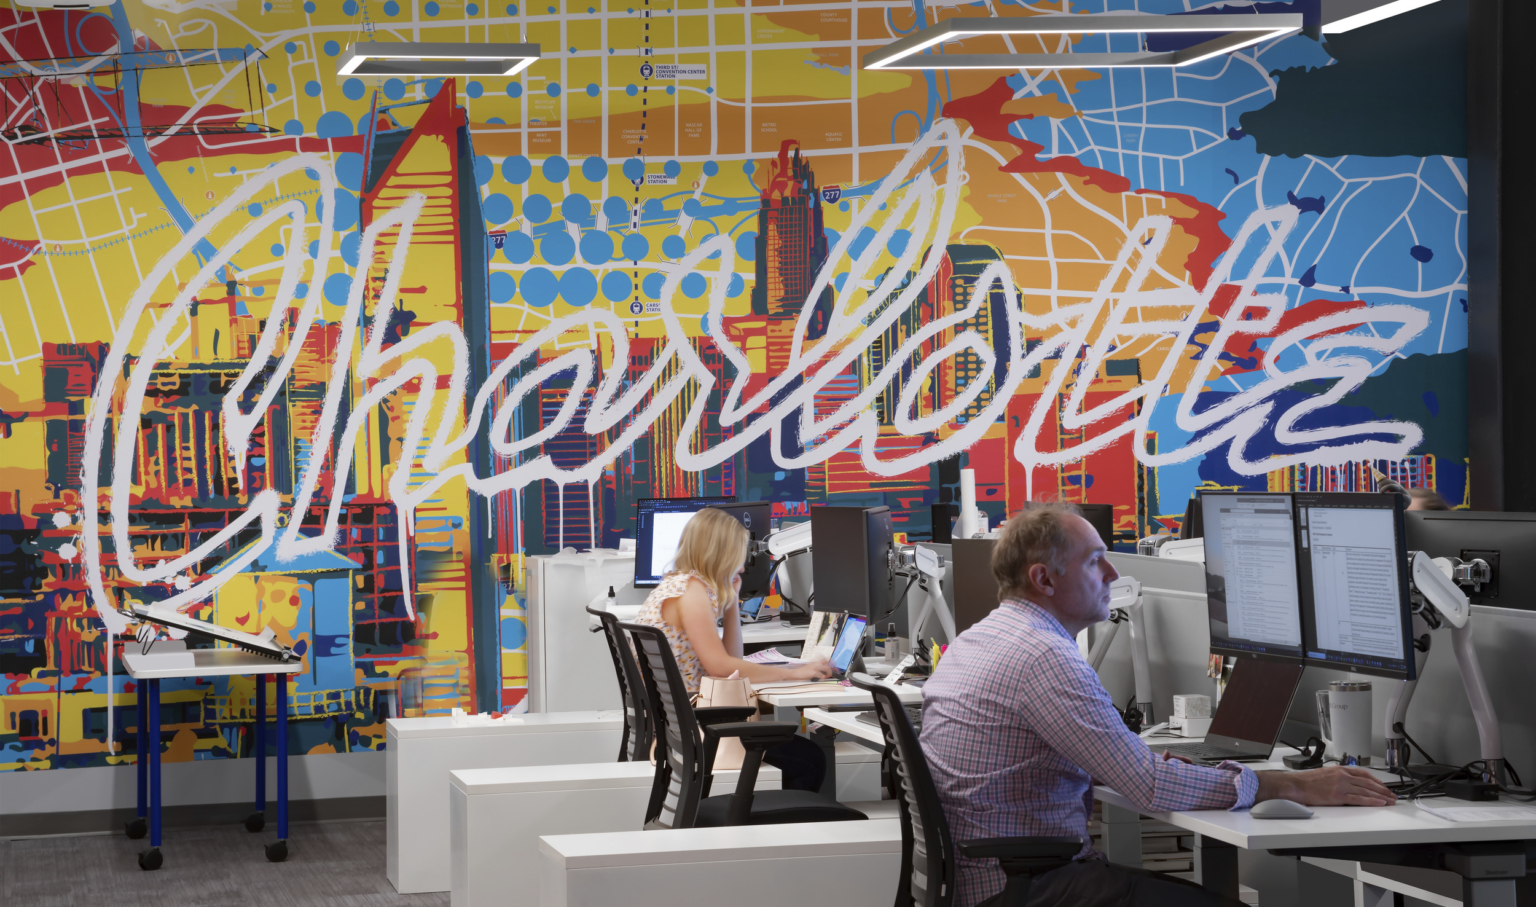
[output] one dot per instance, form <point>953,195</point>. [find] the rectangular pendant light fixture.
<point>417,58</point>
<point>1343,15</point>
<point>1234,31</point>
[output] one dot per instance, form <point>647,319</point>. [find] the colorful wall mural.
<point>334,355</point>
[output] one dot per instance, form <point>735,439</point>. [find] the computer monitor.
<point>755,516</point>
<point>1506,541</point>
<point>976,592</point>
<point>1193,526</point>
<point>1353,567</point>
<point>1102,518</point>
<point>1252,592</point>
<point>659,526</point>
<point>850,565</point>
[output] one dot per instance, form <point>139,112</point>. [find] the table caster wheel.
<point>255,822</point>
<point>136,829</point>
<point>277,851</point>
<point>150,860</point>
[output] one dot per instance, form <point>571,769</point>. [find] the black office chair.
<point>685,763</point>
<point>635,744</point>
<point>927,850</point>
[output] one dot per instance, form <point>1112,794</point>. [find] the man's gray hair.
<point>1035,535</point>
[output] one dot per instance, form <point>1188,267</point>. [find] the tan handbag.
<point>735,692</point>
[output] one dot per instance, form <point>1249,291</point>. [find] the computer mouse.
<point>1280,809</point>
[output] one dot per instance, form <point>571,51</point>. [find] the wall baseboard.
<point>97,821</point>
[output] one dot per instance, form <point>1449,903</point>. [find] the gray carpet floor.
<point>331,863</point>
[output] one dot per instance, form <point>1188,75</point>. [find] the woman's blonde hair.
<point>713,547</point>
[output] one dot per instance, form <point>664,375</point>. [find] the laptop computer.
<point>849,640</point>
<point>1247,722</point>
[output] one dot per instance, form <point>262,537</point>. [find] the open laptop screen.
<point>848,643</point>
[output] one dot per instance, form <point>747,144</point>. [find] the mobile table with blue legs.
<point>147,671</point>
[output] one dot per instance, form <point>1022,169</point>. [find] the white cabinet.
<point>569,668</point>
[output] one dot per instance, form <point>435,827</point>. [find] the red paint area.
<point>45,34</point>
<point>1205,227</point>
<point>16,257</point>
<point>40,160</point>
<point>984,113</point>
<point>1245,348</point>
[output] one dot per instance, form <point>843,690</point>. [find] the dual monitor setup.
<point>1310,579</point>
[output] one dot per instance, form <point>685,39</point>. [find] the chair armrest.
<point>754,734</point>
<point>1020,848</point>
<point>721,713</point>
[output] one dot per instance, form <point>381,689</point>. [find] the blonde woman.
<point>701,590</point>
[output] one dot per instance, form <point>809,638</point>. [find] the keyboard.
<point>1212,752</point>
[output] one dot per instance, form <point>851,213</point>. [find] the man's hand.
<point>1336,785</point>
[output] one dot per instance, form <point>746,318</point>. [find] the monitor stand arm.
<point>1125,602</point>
<point>1440,599</point>
<point>930,581</point>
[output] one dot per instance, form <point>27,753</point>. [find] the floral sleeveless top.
<point>673,585</point>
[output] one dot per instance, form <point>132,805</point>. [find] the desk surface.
<point>710,845</point>
<point>437,726</point>
<point>847,722</point>
<point>207,663</point>
<point>1334,826</point>
<point>834,694</point>
<point>771,631</point>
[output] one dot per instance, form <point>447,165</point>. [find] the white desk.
<point>497,816</point>
<point>834,694</point>
<point>770,633</point>
<point>848,723</point>
<point>167,661</point>
<point>1341,832</point>
<point>420,753</point>
<point>789,706</point>
<point>851,864</point>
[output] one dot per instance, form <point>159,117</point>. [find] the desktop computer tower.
<point>850,560</point>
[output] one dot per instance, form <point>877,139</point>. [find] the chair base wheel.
<point>136,829</point>
<point>277,851</point>
<point>255,822</point>
<point>151,860</point>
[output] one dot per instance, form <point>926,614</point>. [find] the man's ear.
<point>1040,578</point>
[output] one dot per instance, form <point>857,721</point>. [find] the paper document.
<point>1489,813</point>
<point>773,657</point>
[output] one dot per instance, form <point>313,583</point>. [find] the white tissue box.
<point>1191,705</point>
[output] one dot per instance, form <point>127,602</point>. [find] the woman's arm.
<point>693,614</point>
<point>730,635</point>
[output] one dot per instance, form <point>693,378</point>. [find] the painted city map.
<point>333,355</point>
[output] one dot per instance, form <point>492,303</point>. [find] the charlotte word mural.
<point>332,356</point>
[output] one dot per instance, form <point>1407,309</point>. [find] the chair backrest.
<point>927,850</point>
<point>681,774</point>
<point>635,744</point>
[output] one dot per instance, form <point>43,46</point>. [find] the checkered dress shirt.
<point>1017,727</point>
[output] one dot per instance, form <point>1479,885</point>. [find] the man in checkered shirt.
<point>1017,728</point>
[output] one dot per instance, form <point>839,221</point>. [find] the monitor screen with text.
<point>1252,589</point>
<point>659,526</point>
<point>1354,595</point>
